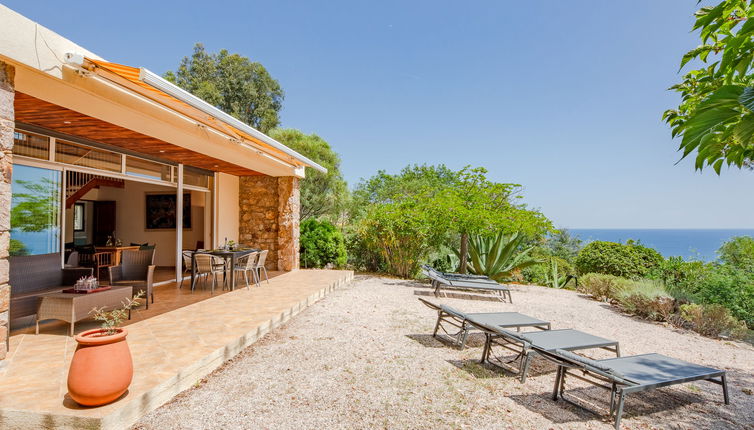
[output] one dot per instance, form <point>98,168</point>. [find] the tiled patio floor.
<point>172,349</point>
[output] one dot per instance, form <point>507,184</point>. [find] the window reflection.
<point>35,209</point>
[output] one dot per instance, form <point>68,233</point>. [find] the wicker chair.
<point>136,269</point>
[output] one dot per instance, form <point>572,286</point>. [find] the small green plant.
<point>498,256</point>
<point>111,320</point>
<point>554,279</point>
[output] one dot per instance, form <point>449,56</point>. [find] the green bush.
<point>729,287</point>
<point>602,287</point>
<point>629,261</point>
<point>712,320</point>
<point>321,244</point>
<point>647,299</point>
<point>540,274</point>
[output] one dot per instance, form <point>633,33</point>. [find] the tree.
<point>563,244</point>
<point>322,194</point>
<point>35,208</point>
<point>232,83</point>
<point>739,253</point>
<point>422,208</point>
<point>715,118</point>
<point>472,204</point>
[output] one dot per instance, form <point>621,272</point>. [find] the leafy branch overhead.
<point>715,119</point>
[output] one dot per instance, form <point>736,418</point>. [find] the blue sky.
<point>564,98</point>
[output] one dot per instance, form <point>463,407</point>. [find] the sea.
<point>691,244</point>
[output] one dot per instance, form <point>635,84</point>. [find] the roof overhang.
<point>135,99</point>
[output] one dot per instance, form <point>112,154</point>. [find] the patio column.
<point>289,207</point>
<point>269,218</point>
<point>179,226</point>
<point>7,123</point>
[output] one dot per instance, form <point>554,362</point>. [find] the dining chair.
<point>259,266</point>
<point>246,264</point>
<point>209,265</point>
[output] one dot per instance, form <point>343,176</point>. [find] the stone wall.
<point>269,214</point>
<point>7,94</point>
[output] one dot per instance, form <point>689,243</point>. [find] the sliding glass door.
<point>35,211</point>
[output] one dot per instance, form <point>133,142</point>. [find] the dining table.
<point>229,255</point>
<point>116,251</point>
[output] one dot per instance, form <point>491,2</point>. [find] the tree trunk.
<point>464,252</point>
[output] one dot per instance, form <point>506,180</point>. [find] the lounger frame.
<point>525,352</point>
<point>457,281</point>
<point>447,316</point>
<point>618,386</point>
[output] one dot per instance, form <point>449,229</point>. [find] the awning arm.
<point>173,90</point>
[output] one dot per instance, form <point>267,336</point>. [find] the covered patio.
<point>114,164</point>
<point>171,350</point>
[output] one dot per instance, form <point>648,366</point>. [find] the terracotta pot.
<point>101,369</point>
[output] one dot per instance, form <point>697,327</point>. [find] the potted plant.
<point>101,368</point>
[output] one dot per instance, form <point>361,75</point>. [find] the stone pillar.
<point>258,215</point>
<point>7,124</point>
<point>289,207</point>
<point>269,218</point>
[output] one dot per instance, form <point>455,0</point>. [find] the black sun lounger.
<point>526,345</point>
<point>627,375</point>
<point>465,282</point>
<point>448,316</point>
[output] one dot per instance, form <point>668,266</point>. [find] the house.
<point>112,154</point>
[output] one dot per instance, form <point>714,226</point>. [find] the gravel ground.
<point>364,357</point>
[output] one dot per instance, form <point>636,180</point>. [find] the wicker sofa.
<point>34,275</point>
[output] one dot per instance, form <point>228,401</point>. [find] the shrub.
<point>361,256</point>
<point>729,287</point>
<point>647,299</point>
<point>321,244</point>
<point>540,274</point>
<point>602,287</point>
<point>401,233</point>
<point>712,320</point>
<point>630,260</point>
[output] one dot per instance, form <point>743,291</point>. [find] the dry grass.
<point>364,358</point>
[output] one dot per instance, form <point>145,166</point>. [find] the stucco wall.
<point>7,73</point>
<point>227,208</point>
<point>130,219</point>
<point>269,214</point>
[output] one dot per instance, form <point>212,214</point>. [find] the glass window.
<point>195,178</point>
<point>35,209</point>
<point>147,169</point>
<point>79,211</point>
<point>79,155</point>
<point>31,145</point>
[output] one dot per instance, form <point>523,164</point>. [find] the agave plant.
<point>553,278</point>
<point>498,256</point>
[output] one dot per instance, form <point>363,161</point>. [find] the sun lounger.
<point>526,345</point>
<point>465,282</point>
<point>627,375</point>
<point>448,316</point>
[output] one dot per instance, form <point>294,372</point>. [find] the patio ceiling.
<point>31,110</point>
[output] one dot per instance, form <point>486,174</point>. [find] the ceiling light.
<point>66,122</point>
